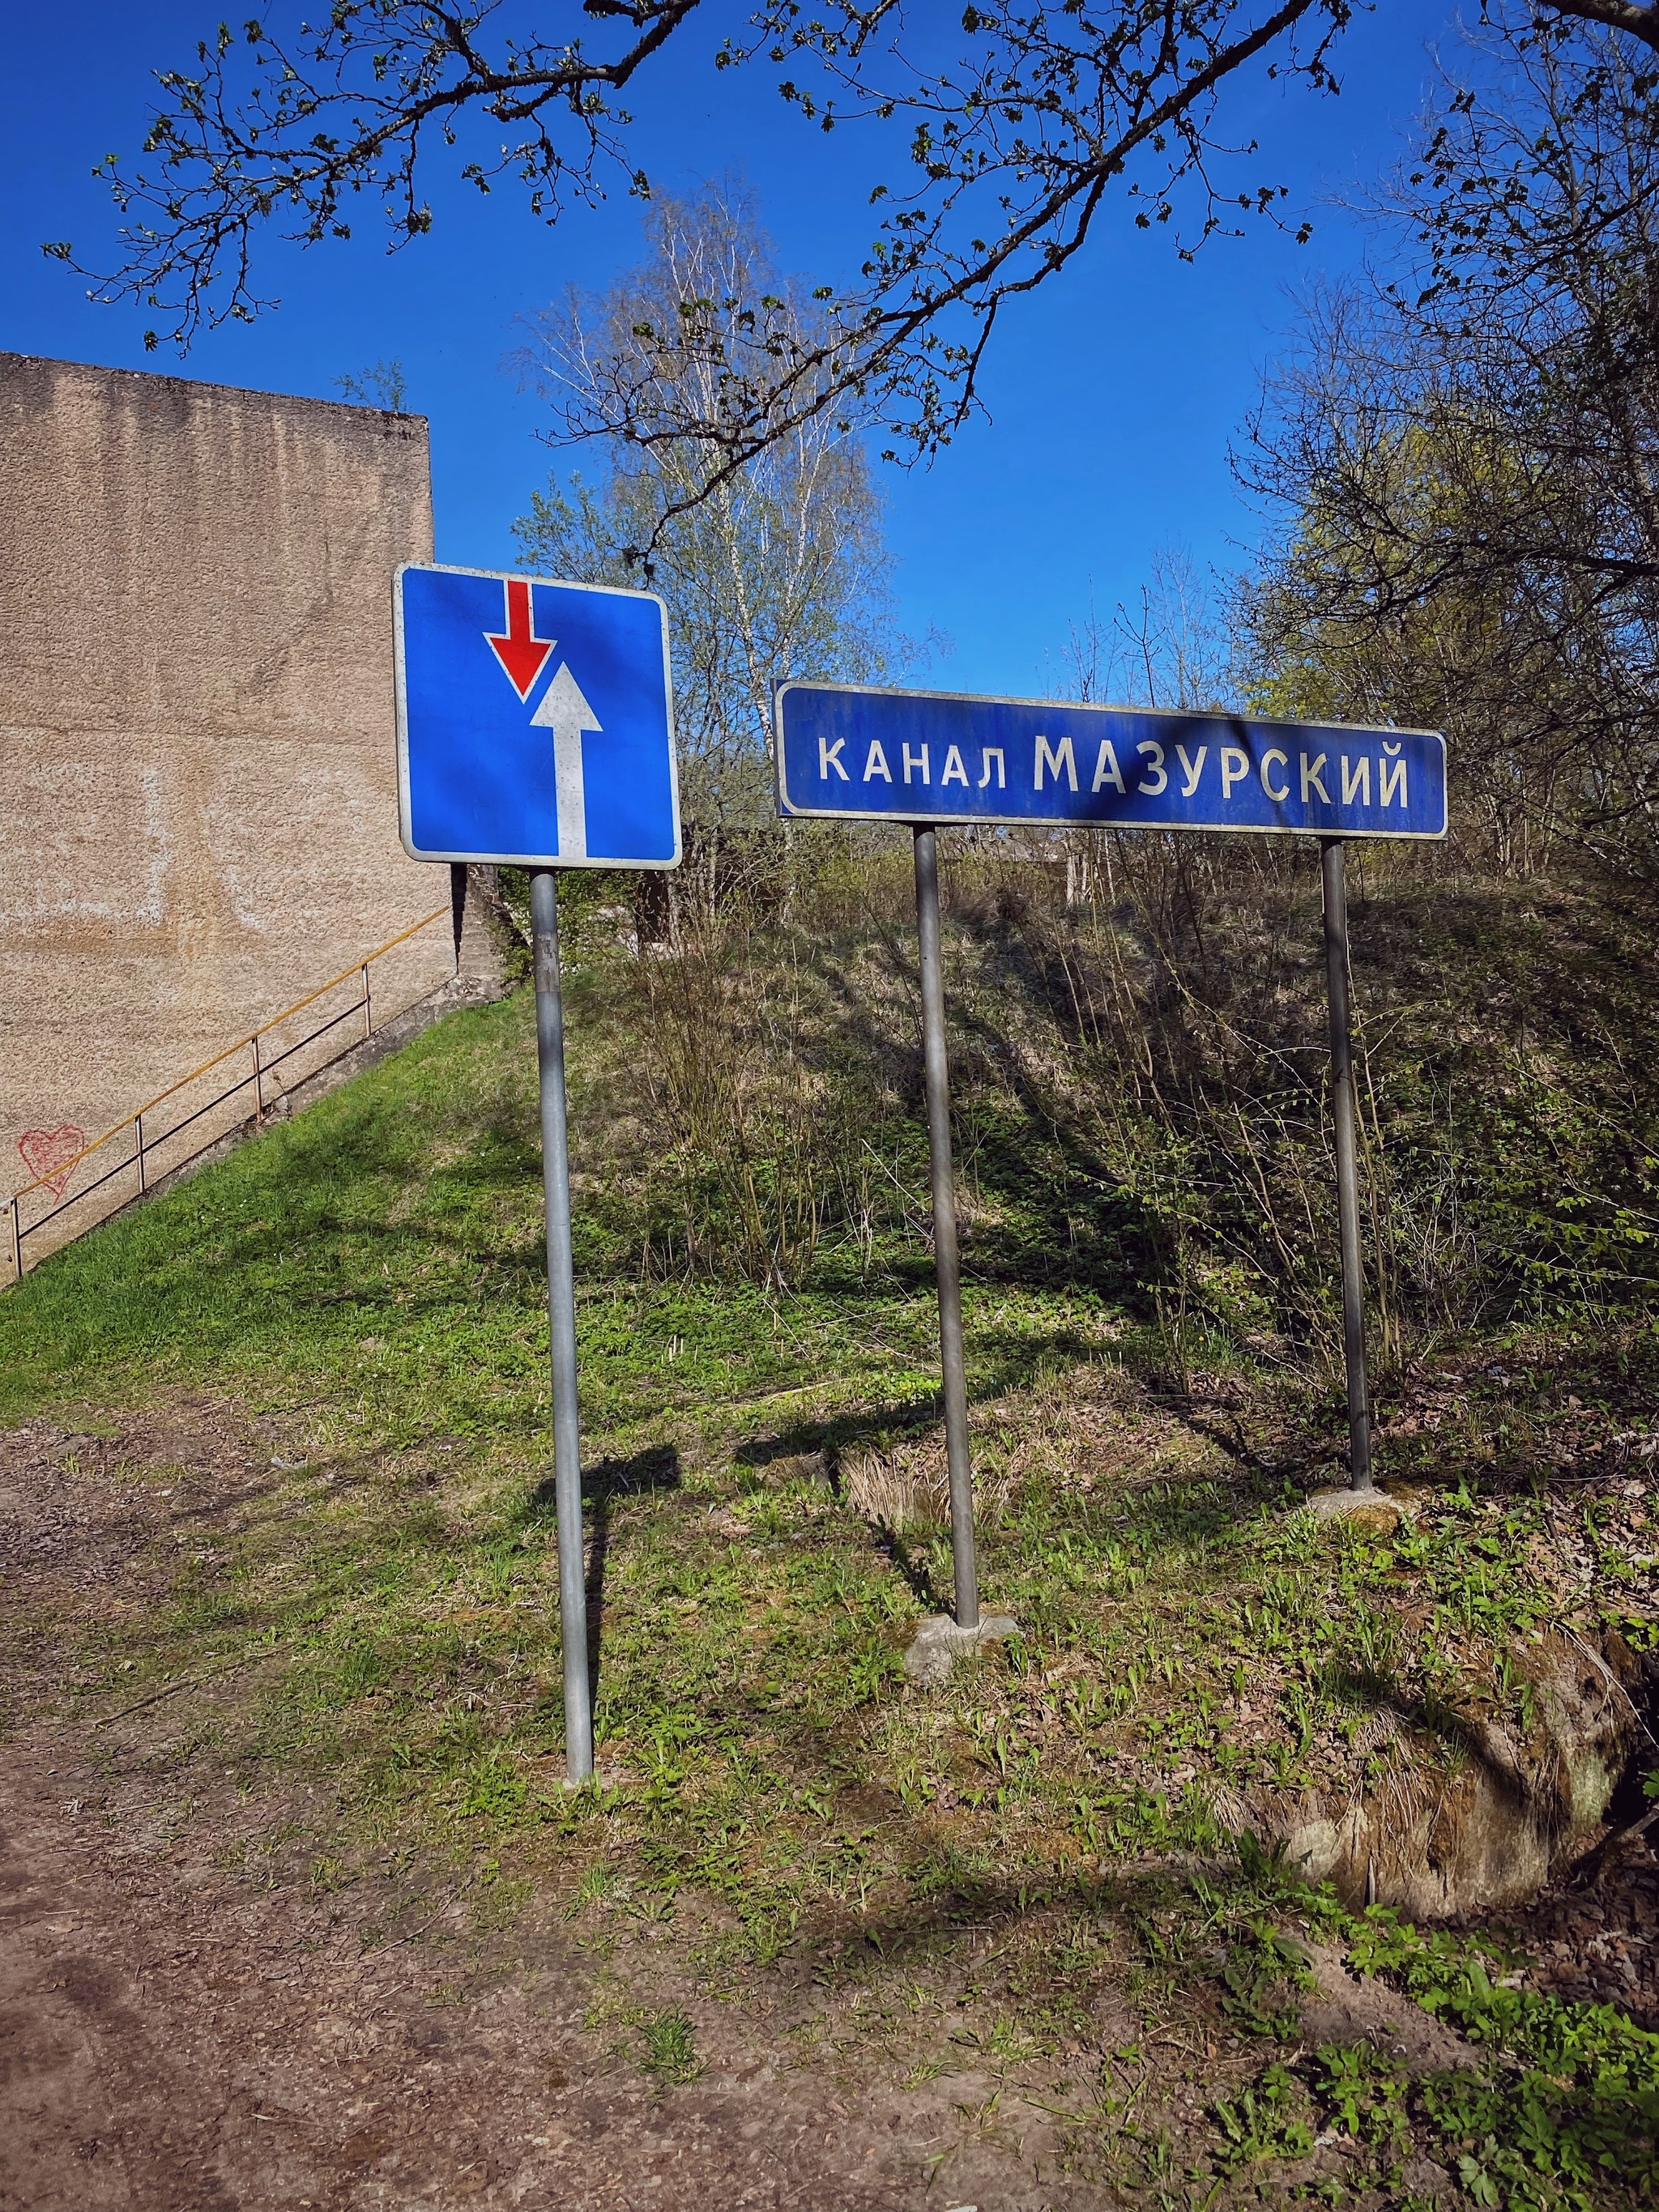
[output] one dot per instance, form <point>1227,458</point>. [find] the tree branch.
<point>885,350</point>
<point>1617,14</point>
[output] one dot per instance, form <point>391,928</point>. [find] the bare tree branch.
<point>1617,14</point>
<point>1043,123</point>
<point>343,110</point>
<point>1007,154</point>
<point>1017,128</point>
<point>1470,455</point>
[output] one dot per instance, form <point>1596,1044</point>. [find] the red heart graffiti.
<point>50,1154</point>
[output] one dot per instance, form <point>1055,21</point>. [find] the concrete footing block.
<point>938,1643</point>
<point>1373,1510</point>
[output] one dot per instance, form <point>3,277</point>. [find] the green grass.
<point>383,1250</point>
<point>369,1276</point>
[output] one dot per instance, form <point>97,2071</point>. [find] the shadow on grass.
<point>915,1573</point>
<point>832,1435</point>
<point>655,1468</point>
<point>951,1900</point>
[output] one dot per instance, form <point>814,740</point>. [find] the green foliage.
<point>668,2048</point>
<point>1457,454</point>
<point>1430,1969</point>
<point>1263,1966</point>
<point>384,386</point>
<point>1568,2113</point>
<point>1266,2120</point>
<point>1562,2118</point>
<point>493,1790</point>
<point>1119,1141</point>
<point>1364,2090</point>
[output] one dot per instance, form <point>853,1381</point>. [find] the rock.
<point>938,1643</point>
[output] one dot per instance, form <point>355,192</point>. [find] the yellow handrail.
<point>240,1045</point>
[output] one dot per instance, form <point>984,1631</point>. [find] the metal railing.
<point>146,1144</point>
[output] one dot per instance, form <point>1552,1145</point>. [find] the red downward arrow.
<point>520,654</point>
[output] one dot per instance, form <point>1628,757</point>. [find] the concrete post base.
<point>1373,1510</point>
<point>937,1644</point>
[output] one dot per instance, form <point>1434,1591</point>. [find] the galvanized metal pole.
<point>562,1321</point>
<point>946,1263</point>
<point>1334,872</point>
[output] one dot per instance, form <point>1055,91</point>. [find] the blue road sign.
<point>850,752</point>
<point>535,723</point>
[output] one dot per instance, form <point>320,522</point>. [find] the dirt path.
<point>169,2043</point>
<point>178,2036</point>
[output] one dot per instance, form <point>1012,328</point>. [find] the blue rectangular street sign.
<point>535,723</point>
<point>853,752</point>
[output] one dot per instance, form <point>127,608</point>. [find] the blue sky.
<point>1112,395</point>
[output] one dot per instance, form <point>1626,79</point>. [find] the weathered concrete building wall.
<point>198,775</point>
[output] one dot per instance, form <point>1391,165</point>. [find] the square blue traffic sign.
<point>535,723</point>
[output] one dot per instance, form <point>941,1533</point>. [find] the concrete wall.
<point>197,775</point>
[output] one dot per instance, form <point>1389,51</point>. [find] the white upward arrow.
<point>565,712</point>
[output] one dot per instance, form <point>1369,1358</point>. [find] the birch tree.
<point>781,571</point>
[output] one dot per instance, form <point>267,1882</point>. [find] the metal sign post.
<point>561,1325</point>
<point>535,726</point>
<point>858,752</point>
<point>1334,869</point>
<point>946,1261</point>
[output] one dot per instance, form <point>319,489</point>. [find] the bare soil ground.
<point>176,2035</point>
<point>170,2041</point>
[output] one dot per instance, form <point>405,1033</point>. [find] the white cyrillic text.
<point>1055,761</point>
<point>1107,770</point>
<point>1311,781</point>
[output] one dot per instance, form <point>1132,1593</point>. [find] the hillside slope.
<point>1211,1694</point>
